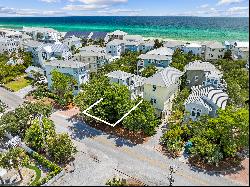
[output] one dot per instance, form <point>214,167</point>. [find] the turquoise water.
<point>183,28</point>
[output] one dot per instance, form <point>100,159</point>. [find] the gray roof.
<point>205,94</point>
<point>171,44</point>
<point>57,47</point>
<point>154,57</point>
<point>119,75</point>
<point>214,45</point>
<point>116,42</point>
<point>92,48</point>
<point>161,51</point>
<point>199,65</point>
<point>66,63</point>
<point>33,43</point>
<point>165,78</point>
<point>38,29</point>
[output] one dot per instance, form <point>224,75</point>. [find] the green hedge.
<point>38,174</point>
<point>54,169</point>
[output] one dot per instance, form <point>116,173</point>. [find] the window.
<point>153,101</point>
<point>198,113</point>
<point>154,88</point>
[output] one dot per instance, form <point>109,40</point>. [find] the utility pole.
<point>170,176</point>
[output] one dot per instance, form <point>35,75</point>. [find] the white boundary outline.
<point>112,125</point>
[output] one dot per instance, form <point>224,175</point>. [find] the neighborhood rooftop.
<point>165,78</point>
<point>202,94</point>
<point>119,74</point>
<point>199,65</point>
<point>57,47</point>
<point>66,63</point>
<point>161,51</point>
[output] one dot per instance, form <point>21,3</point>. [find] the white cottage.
<point>9,45</point>
<point>205,101</point>
<point>53,51</point>
<point>78,70</point>
<point>115,48</point>
<point>133,82</point>
<point>195,48</point>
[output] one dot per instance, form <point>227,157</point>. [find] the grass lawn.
<point>19,84</point>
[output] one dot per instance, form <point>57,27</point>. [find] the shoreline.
<point>164,39</point>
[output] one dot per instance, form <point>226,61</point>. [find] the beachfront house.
<point>78,70</point>
<point>174,44</point>
<point>146,46</point>
<point>73,41</point>
<point>133,82</point>
<point>161,88</point>
<point>118,34</point>
<point>205,101</point>
<point>194,48</point>
<point>240,50</point>
<point>9,45</point>
<point>161,57</point>
<point>10,33</point>
<point>204,74</point>
<point>46,35</point>
<point>53,51</point>
<point>213,50</point>
<point>115,48</point>
<point>133,38</point>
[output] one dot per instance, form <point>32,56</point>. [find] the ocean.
<point>174,27</point>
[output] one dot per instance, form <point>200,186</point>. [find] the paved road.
<point>9,98</point>
<point>139,161</point>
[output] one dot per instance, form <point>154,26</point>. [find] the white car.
<point>42,80</point>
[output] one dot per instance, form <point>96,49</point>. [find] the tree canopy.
<point>116,102</point>
<point>18,121</point>
<point>127,63</point>
<point>181,59</point>
<point>14,158</point>
<point>149,71</point>
<point>62,87</point>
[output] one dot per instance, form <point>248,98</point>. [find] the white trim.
<point>113,125</point>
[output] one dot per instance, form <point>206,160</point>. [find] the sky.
<point>203,8</point>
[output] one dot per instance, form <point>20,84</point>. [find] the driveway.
<point>136,161</point>
<point>10,98</point>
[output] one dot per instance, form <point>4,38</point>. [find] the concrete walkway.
<point>24,91</point>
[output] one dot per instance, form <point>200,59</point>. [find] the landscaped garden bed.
<point>119,131</point>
